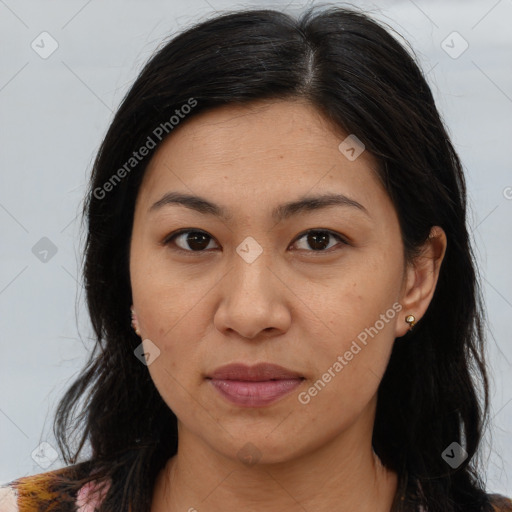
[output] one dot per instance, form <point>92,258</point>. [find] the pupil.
<point>318,240</point>
<point>197,241</point>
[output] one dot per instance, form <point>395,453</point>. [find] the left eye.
<point>199,241</point>
<point>318,239</point>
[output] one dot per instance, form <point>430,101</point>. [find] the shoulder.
<point>90,496</point>
<point>33,492</point>
<point>500,503</point>
<point>8,498</point>
<point>37,492</point>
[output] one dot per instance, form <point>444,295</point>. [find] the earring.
<point>411,320</point>
<point>134,322</point>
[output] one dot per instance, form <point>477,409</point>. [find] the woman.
<point>278,212</point>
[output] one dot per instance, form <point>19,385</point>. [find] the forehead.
<point>269,147</point>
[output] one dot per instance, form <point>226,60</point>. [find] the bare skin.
<point>294,305</point>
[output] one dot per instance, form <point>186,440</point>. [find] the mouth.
<point>254,386</point>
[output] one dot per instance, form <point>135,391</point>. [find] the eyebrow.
<point>281,212</point>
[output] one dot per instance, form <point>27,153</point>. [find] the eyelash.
<point>170,240</point>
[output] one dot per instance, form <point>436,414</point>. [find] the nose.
<point>254,301</point>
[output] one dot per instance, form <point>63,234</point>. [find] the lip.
<point>254,386</point>
<point>256,373</point>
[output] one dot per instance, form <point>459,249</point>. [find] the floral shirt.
<point>90,496</point>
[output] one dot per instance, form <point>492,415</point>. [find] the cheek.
<point>349,371</point>
<point>176,372</point>
<point>360,311</point>
<point>166,299</point>
<point>169,314</point>
<point>357,297</point>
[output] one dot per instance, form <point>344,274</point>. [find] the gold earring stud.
<point>411,320</point>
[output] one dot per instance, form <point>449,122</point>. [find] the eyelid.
<point>168,239</point>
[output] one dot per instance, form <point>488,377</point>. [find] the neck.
<point>342,475</point>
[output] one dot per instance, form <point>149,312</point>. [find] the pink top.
<point>90,496</point>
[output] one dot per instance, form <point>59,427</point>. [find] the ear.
<point>135,322</point>
<point>420,279</point>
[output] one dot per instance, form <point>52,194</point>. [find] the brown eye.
<point>318,240</point>
<point>191,241</point>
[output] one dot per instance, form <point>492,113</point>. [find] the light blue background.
<point>54,112</point>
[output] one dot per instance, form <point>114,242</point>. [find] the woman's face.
<point>254,287</point>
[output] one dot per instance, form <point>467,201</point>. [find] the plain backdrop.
<point>65,66</point>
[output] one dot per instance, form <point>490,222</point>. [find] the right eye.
<point>189,240</point>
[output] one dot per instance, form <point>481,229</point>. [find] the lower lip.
<point>254,394</point>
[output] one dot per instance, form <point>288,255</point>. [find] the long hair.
<point>359,76</point>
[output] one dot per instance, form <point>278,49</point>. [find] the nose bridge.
<point>250,273</point>
<point>251,296</point>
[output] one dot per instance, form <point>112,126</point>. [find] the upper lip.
<point>257,372</point>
